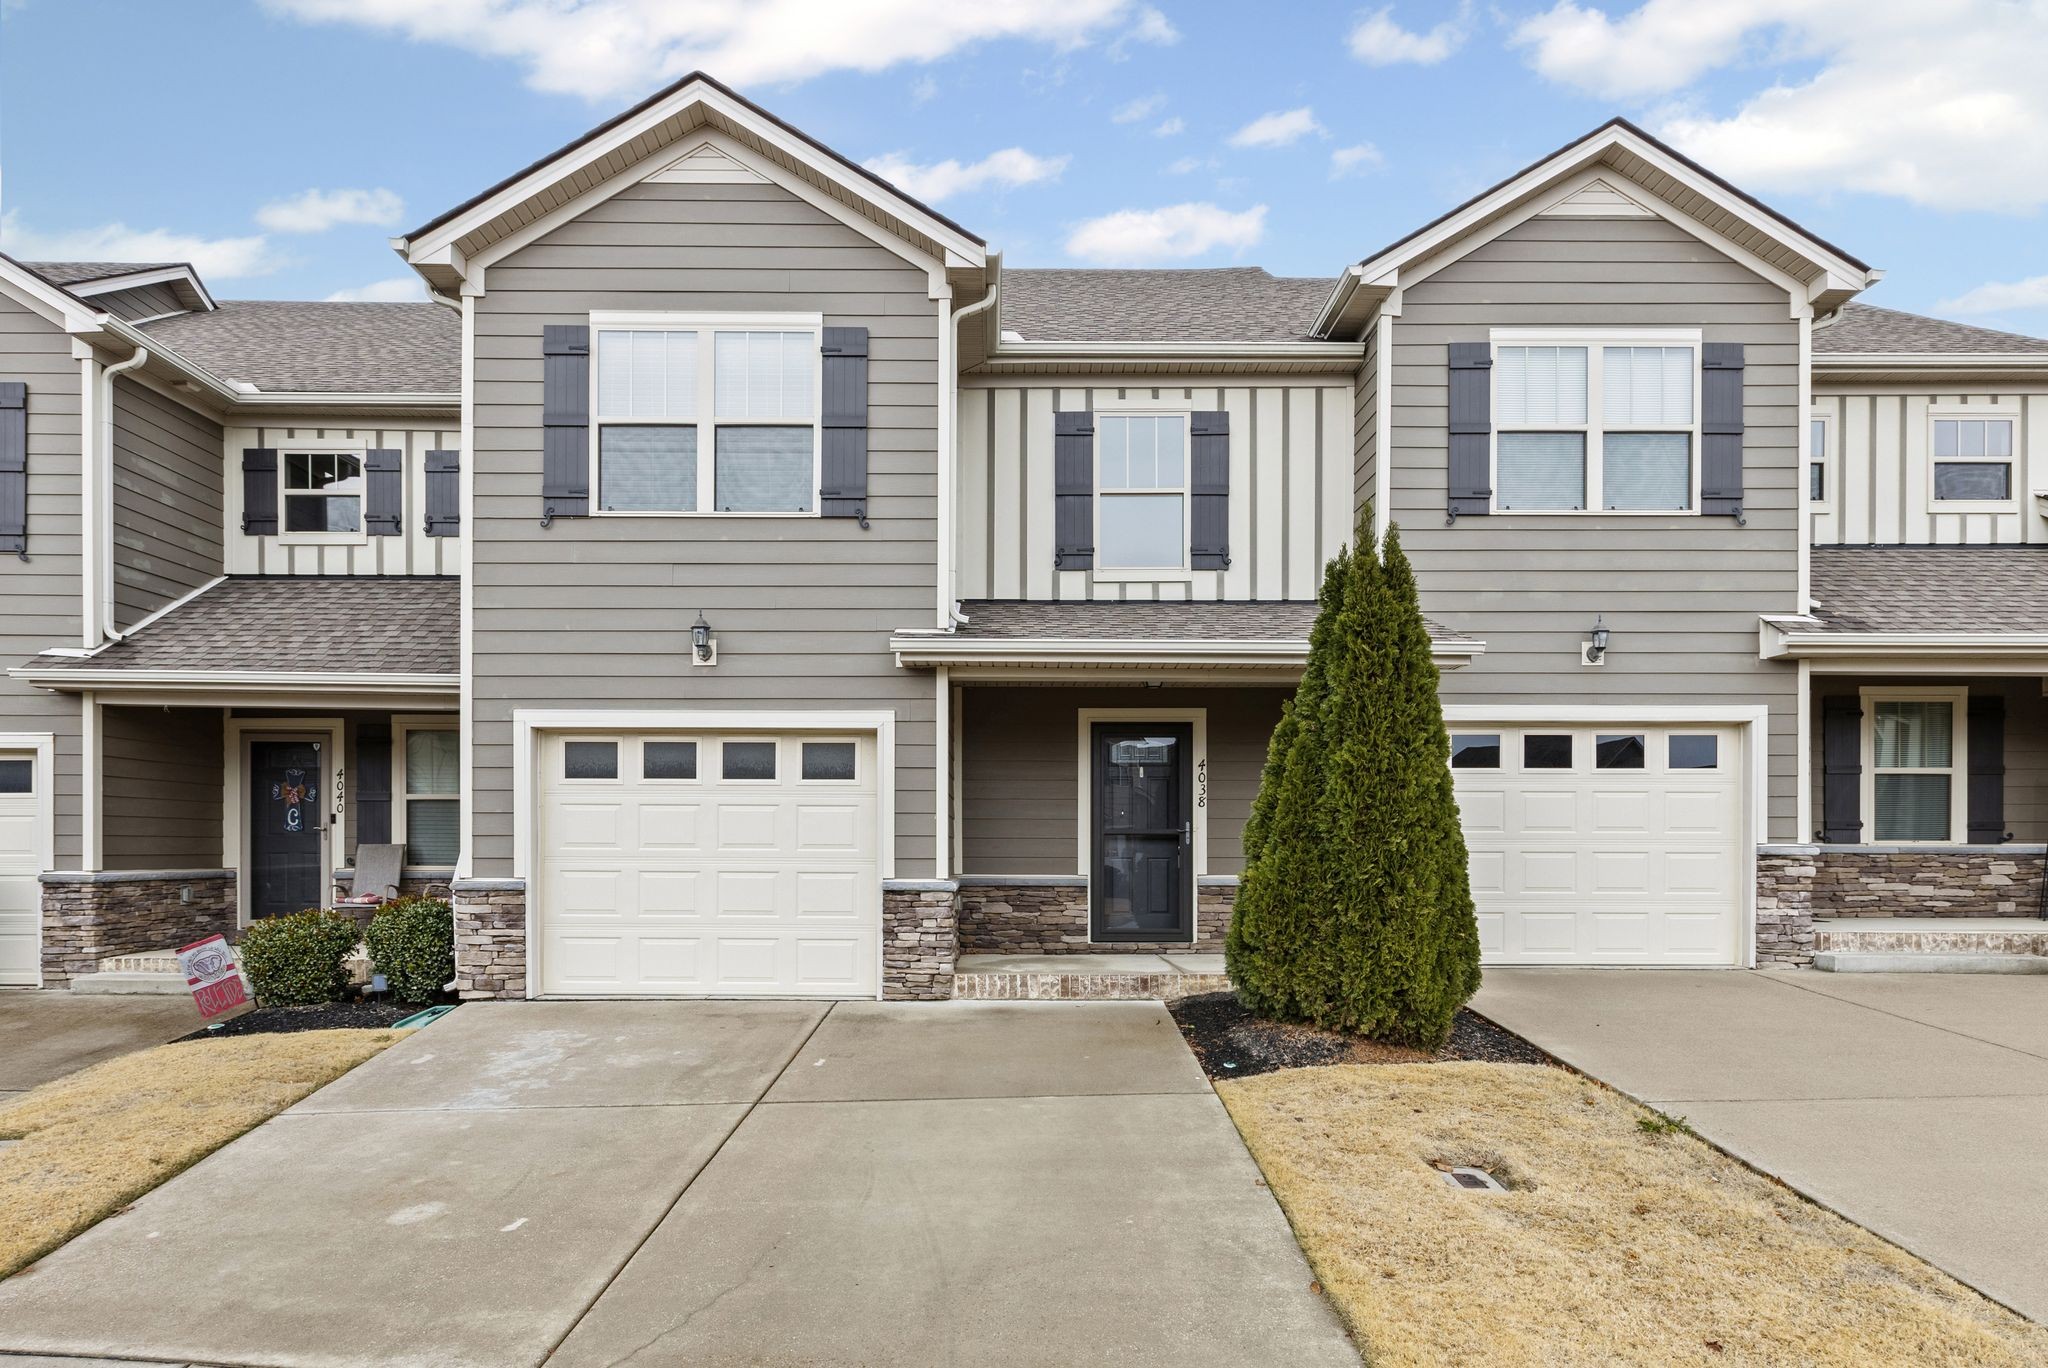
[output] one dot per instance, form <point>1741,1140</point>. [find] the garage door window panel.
<point>1618,752</point>
<point>17,776</point>
<point>591,760</point>
<point>1694,752</point>
<point>1912,742</point>
<point>1475,750</point>
<point>1547,751</point>
<point>829,762</point>
<point>668,760</point>
<point>748,761</point>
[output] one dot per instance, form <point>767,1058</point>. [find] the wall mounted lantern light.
<point>703,646</point>
<point>1596,649</point>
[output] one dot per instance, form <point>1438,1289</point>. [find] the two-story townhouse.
<point>230,606</point>
<point>834,612</point>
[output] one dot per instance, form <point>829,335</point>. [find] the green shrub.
<point>295,960</point>
<point>1355,909</point>
<point>412,944</point>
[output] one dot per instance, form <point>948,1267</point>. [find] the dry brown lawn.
<point>95,1141</point>
<point>1614,1246</point>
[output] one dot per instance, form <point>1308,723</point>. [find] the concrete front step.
<point>1931,945</point>
<point>1086,978</point>
<point>156,971</point>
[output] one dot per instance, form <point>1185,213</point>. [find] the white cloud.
<point>1009,167</point>
<point>605,50</point>
<point>405,289</point>
<point>1355,160</point>
<point>228,258</point>
<point>1277,129</point>
<point>2000,296</point>
<point>924,90</point>
<point>1138,237</point>
<point>1379,41</point>
<point>1151,27</point>
<point>316,211</point>
<point>1942,105</point>
<point>1130,111</point>
<point>1168,128</point>
<point>1186,165</point>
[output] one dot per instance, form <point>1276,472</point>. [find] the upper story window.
<point>323,492</point>
<point>1972,459</point>
<point>706,415</point>
<point>1817,458</point>
<point>1595,422</point>
<point>1141,486</point>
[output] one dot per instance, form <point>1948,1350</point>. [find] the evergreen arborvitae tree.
<point>1355,910</point>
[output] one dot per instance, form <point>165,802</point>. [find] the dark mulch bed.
<point>1232,1043</point>
<point>327,1016</point>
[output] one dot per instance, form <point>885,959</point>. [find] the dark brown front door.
<point>285,803</point>
<point>1143,886</point>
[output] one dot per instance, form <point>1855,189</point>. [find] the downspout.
<point>949,616</point>
<point>103,465</point>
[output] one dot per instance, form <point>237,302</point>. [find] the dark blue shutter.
<point>259,491</point>
<point>1987,770</point>
<point>444,493</point>
<point>384,492</point>
<point>843,466</point>
<point>1209,491</point>
<point>1721,429</point>
<point>373,785</point>
<point>14,467</point>
<point>565,422</point>
<point>1468,474</point>
<point>1841,769</point>
<point>1073,491</point>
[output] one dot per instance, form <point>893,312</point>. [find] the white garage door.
<point>678,864</point>
<point>21,861</point>
<point>1603,845</point>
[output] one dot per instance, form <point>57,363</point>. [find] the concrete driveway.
<point>1914,1104</point>
<point>715,1184</point>
<point>50,1034</point>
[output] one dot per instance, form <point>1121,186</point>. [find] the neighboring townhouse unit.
<point>737,582</point>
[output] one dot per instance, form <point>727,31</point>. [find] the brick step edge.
<point>1051,986</point>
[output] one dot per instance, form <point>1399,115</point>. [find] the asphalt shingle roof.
<point>79,272</point>
<point>346,624</point>
<point>1865,329</point>
<point>1931,588</point>
<point>1168,620</point>
<point>1230,304</point>
<point>322,347</point>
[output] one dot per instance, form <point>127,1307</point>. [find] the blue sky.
<point>280,142</point>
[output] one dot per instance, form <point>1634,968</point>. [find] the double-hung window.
<point>1913,744</point>
<point>1141,491</point>
<point>323,492</point>
<point>430,794</point>
<point>706,414</point>
<point>1596,423</point>
<point>1817,458</point>
<point>1972,461</point>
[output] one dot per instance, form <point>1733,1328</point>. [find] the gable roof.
<point>1866,330</point>
<point>79,272</point>
<point>1228,304</point>
<point>438,248</point>
<point>1830,275</point>
<point>321,347</point>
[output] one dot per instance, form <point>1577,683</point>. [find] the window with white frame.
<point>430,796</point>
<point>1817,458</point>
<point>707,417</point>
<point>1141,491</point>
<point>1972,458</point>
<point>322,492</point>
<point>1913,744</point>
<point>1595,424</point>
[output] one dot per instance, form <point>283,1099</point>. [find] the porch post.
<point>942,778</point>
<point>91,843</point>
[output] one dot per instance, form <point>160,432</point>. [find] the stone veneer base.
<point>490,938</point>
<point>920,939</point>
<point>88,917</point>
<point>1049,916</point>
<point>1797,883</point>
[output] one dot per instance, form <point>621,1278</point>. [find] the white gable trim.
<point>31,291</point>
<point>648,168</point>
<point>705,164</point>
<point>135,280</point>
<point>1597,198</point>
<point>428,246</point>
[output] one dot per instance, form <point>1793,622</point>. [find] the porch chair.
<point>376,878</point>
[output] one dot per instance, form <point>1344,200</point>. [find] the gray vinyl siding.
<point>1291,455</point>
<point>1680,594</point>
<point>412,552</point>
<point>42,593</point>
<point>1879,444</point>
<point>144,301</point>
<point>1020,749</point>
<point>167,497</point>
<point>595,612</point>
<point>161,799</point>
<point>1365,424</point>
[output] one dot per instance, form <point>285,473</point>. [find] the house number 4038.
<point>1202,783</point>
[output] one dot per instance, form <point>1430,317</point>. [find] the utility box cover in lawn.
<point>212,975</point>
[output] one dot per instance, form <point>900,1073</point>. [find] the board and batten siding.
<point>412,552</point>
<point>167,489</point>
<point>1879,468</point>
<point>595,612</point>
<point>43,593</point>
<point>1291,477</point>
<point>1681,594</point>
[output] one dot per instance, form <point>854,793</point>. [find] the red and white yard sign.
<point>212,975</point>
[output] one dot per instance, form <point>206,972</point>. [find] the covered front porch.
<point>218,785</point>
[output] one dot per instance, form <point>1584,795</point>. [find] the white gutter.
<point>214,680</point>
<point>949,435</point>
<point>1941,361</point>
<point>1781,639</point>
<point>916,649</point>
<point>102,517</point>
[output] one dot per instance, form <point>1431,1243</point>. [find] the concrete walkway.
<point>715,1184</point>
<point>50,1034</point>
<point>1914,1104</point>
